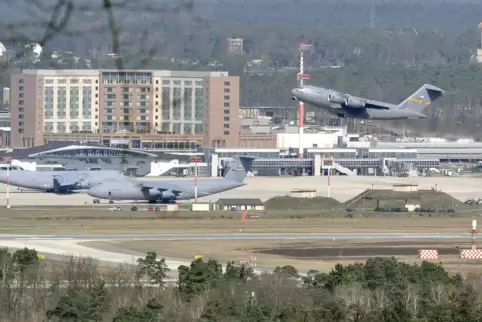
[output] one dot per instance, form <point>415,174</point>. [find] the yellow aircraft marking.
<point>416,100</point>
<point>428,103</point>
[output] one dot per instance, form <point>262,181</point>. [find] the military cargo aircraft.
<point>347,106</point>
<point>167,191</point>
<point>59,181</point>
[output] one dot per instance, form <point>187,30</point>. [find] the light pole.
<point>9,162</point>
<point>195,160</point>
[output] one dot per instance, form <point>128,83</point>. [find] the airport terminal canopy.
<point>76,149</point>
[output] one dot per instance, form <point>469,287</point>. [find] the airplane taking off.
<point>165,191</point>
<point>346,106</point>
<point>59,181</point>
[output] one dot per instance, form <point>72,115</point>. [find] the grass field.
<point>104,222</point>
<point>389,198</point>
<point>321,255</point>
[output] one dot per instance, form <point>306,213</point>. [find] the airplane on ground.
<point>60,182</point>
<point>347,106</point>
<point>167,191</point>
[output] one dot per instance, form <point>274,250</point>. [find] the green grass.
<point>371,199</point>
<point>318,203</point>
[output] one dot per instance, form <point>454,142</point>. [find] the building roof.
<point>61,146</point>
<point>24,153</point>
<point>239,202</point>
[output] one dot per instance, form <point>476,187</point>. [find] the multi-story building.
<point>100,104</point>
<point>235,46</point>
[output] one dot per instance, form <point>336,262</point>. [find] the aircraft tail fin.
<point>239,169</point>
<point>422,98</point>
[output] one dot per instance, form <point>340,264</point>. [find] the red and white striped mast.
<point>302,47</point>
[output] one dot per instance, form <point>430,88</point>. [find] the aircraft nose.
<point>96,191</point>
<point>295,91</point>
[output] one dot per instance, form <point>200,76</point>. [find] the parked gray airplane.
<point>347,106</point>
<point>166,191</point>
<point>59,181</point>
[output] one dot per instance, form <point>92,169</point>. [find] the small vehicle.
<point>115,208</point>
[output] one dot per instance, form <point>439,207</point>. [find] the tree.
<point>151,312</point>
<point>199,276</point>
<point>238,272</point>
<point>287,270</point>
<point>81,305</point>
<point>154,269</point>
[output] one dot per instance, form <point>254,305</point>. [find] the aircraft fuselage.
<point>133,191</point>
<point>44,180</point>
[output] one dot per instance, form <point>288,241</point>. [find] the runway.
<point>56,246</point>
<point>239,236</point>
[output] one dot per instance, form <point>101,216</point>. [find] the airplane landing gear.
<point>96,201</point>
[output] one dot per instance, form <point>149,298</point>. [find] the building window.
<point>226,118</point>
<point>20,88</point>
<point>227,83</point>
<point>226,104</point>
<point>226,97</point>
<point>227,90</point>
<point>226,111</point>
<point>20,102</point>
<point>226,126</point>
<point>226,132</point>
<point>20,81</point>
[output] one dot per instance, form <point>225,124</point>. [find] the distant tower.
<point>235,46</point>
<point>372,16</point>
<point>479,50</point>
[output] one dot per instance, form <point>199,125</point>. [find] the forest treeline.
<point>384,49</point>
<point>381,289</point>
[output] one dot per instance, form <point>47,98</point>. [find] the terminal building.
<point>215,161</point>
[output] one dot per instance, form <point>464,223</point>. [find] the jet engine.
<point>335,98</point>
<point>83,184</point>
<point>162,195</point>
<point>354,102</point>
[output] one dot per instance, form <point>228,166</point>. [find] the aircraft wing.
<point>175,187</point>
<point>67,179</point>
<point>376,105</point>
